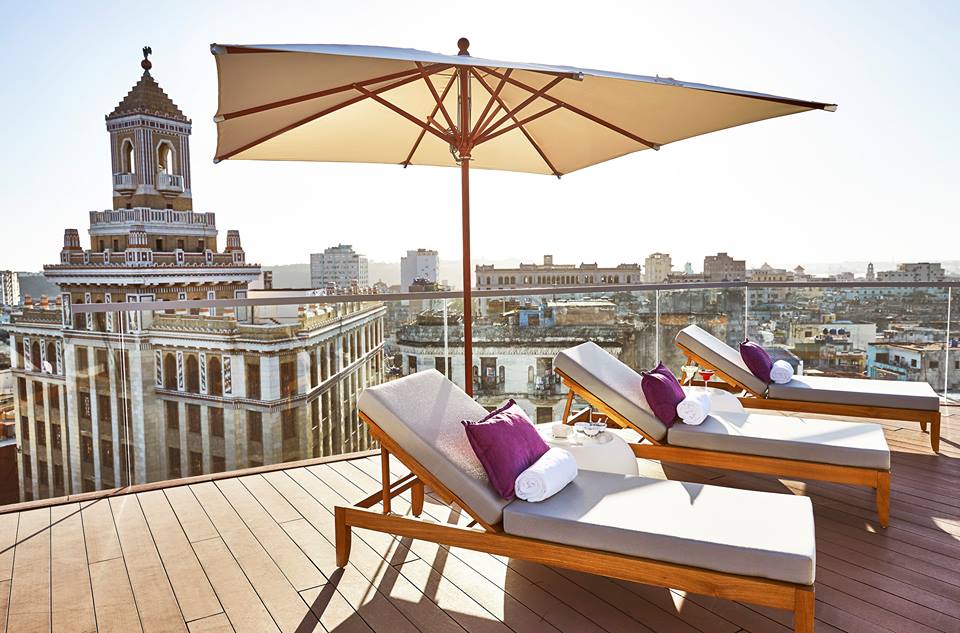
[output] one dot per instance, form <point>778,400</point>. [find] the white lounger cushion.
<point>729,530</point>
<point>720,355</point>
<point>422,413</point>
<point>603,375</point>
<point>807,439</point>
<point>898,394</point>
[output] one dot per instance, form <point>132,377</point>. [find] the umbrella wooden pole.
<point>467,291</point>
<point>464,146</point>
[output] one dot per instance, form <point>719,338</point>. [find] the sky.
<point>876,180</point>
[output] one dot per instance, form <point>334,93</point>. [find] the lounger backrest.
<point>613,382</point>
<point>422,413</point>
<point>720,355</point>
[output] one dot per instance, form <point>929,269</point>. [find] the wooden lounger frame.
<point>781,467</point>
<point>754,400</point>
<point>484,537</point>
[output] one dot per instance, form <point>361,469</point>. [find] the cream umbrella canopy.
<point>370,104</point>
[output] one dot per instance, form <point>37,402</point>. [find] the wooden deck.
<point>254,553</point>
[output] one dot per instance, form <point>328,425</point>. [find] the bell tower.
<point>149,148</point>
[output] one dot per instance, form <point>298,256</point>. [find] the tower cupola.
<point>149,146</point>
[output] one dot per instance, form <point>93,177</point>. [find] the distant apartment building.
<point>657,267</point>
<point>920,362</point>
<point>108,399</point>
<point>548,273</point>
<point>419,265</point>
<point>722,267</point>
<point>513,354</point>
<point>930,272</point>
<point>340,267</point>
<point>9,289</point>
<point>859,335</point>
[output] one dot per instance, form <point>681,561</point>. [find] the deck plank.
<point>8,538</point>
<point>113,599</point>
<point>99,531</point>
<point>156,602</point>
<point>29,608</point>
<point>240,601</point>
<point>283,602</point>
<point>217,623</point>
<point>72,593</point>
<point>190,585</point>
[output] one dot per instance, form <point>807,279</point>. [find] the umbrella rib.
<point>482,122</point>
<point>405,114</point>
<point>533,117</point>
<point>322,93</point>
<point>583,113</point>
<point>397,84</point>
<point>522,129</point>
<point>416,145</point>
<point>512,114</point>
<point>433,91</point>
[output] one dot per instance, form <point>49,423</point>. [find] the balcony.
<point>169,184</point>
<point>124,184</point>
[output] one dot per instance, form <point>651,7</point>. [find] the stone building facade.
<point>107,399</point>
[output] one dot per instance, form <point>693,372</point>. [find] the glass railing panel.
<point>863,331</point>
<point>719,311</point>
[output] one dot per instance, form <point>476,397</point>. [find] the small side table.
<point>607,452</point>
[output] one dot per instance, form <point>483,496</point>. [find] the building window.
<point>913,362</point>
<point>159,245</point>
<point>289,424</point>
<point>214,376</point>
<point>27,469</point>
<point>193,374</point>
<point>254,427</point>
<point>41,434</point>
<point>216,421</point>
<point>170,371</point>
<point>193,418</point>
<point>127,164</point>
<point>173,461</point>
<point>196,463</point>
<point>253,378</point>
<point>219,464</point>
<point>24,429</point>
<point>56,439</point>
<point>106,453</point>
<point>173,416</point>
<point>86,449</point>
<point>934,364</point>
<point>42,472</point>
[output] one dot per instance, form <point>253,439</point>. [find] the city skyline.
<point>799,168</point>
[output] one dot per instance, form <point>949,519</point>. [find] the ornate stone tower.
<point>149,148</point>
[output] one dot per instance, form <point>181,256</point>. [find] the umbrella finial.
<point>463,44</point>
<point>146,64</point>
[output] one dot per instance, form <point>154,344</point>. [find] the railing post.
<point>946,346</point>
<point>746,311</point>
<point>657,328</point>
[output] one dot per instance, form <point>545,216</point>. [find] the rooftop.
<point>253,551</point>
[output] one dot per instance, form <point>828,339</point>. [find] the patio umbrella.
<point>370,104</point>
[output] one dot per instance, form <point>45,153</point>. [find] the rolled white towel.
<point>695,407</point>
<point>781,372</point>
<point>548,475</point>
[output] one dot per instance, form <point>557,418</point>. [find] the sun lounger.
<point>743,545</point>
<point>807,448</point>
<point>878,399</point>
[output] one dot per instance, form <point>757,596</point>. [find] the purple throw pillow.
<point>757,359</point>
<point>663,393</point>
<point>506,443</point>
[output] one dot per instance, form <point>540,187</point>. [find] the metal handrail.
<point>506,292</point>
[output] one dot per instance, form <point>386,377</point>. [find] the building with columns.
<point>108,399</point>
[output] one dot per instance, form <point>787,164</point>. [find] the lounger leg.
<point>416,499</point>
<point>567,407</point>
<point>803,609</point>
<point>935,432</point>
<point>385,478</point>
<point>883,497</point>
<point>343,535</point>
